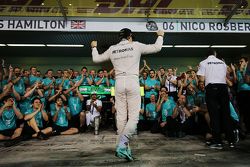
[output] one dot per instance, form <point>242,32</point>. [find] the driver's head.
<point>125,33</point>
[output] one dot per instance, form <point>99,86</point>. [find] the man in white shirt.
<point>171,84</point>
<point>125,57</point>
<point>94,107</point>
<point>213,71</point>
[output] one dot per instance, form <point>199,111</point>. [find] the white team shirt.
<point>171,87</point>
<point>125,56</point>
<point>93,110</point>
<point>213,69</point>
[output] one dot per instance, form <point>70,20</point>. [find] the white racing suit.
<point>125,57</point>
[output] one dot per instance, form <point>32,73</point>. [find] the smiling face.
<point>92,72</point>
<point>170,72</point>
<point>163,92</point>
<point>33,71</point>
<point>152,74</point>
<point>50,74</point>
<point>93,97</point>
<point>9,101</point>
<point>59,102</point>
<point>201,86</point>
<point>100,74</point>
<point>144,74</point>
<point>152,98</point>
<point>192,74</point>
<point>17,71</point>
<point>182,99</point>
<point>37,103</point>
<point>162,70</point>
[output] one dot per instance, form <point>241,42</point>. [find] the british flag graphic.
<point>78,24</point>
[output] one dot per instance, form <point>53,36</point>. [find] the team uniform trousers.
<point>128,103</point>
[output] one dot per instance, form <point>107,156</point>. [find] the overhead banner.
<point>126,8</point>
<point>114,25</point>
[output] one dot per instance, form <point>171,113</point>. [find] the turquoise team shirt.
<point>58,81</point>
<point>242,86</point>
<point>112,82</point>
<point>141,117</point>
<point>193,82</point>
<point>151,82</point>
<point>52,106</point>
<point>2,84</point>
<point>233,113</point>
<point>38,117</point>
<point>62,119</point>
<point>167,109</point>
<point>52,103</point>
<point>8,119</point>
<point>84,82</point>
<point>46,82</point>
<point>33,79</point>
<point>75,105</point>
<point>142,81</point>
<point>151,108</point>
<point>25,105</point>
<point>103,83</point>
<point>91,78</point>
<point>20,87</point>
<point>190,100</point>
<point>66,84</point>
<point>200,97</point>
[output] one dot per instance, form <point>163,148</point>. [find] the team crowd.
<point>174,103</point>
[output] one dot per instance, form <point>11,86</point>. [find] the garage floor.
<point>149,149</point>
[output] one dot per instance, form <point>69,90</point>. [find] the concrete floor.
<point>149,149</point>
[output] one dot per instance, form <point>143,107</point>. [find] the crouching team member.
<point>125,57</point>
<point>61,116</point>
<point>9,116</point>
<point>35,117</point>
<point>93,116</point>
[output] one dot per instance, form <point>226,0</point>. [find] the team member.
<point>9,114</point>
<point>34,118</point>
<point>125,57</point>
<point>243,92</point>
<point>61,116</point>
<point>213,71</point>
<point>93,116</point>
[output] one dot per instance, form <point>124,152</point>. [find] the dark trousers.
<point>218,107</point>
<point>243,101</point>
<point>142,125</point>
<point>174,95</point>
<point>174,126</point>
<point>153,126</point>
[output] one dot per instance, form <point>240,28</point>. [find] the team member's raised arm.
<point>153,48</point>
<point>97,58</point>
